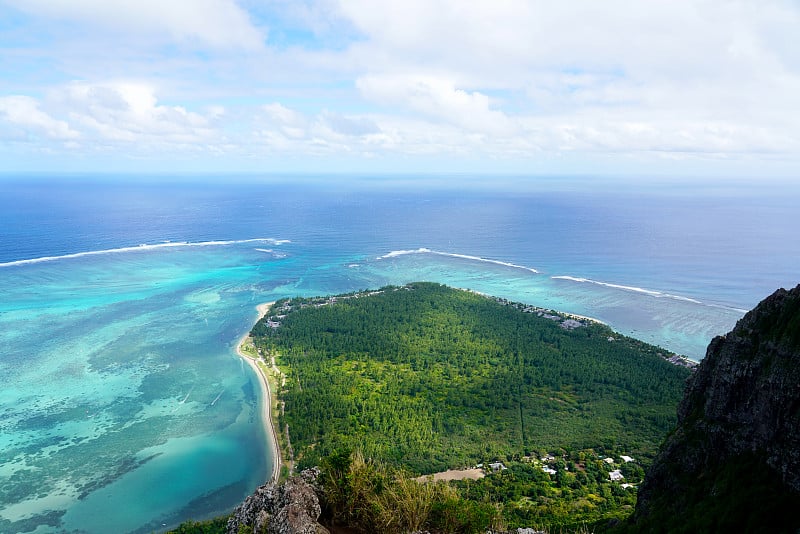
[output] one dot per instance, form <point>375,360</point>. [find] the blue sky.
<point>686,88</point>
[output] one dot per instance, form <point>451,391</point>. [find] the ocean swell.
<point>396,253</point>
<point>649,292</point>
<point>145,247</point>
<point>633,289</point>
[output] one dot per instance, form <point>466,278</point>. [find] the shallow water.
<point>124,406</point>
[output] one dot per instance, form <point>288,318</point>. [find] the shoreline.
<point>569,315</point>
<point>266,398</point>
<point>585,318</point>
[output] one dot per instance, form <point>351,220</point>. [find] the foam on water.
<point>145,247</point>
<point>135,386</point>
<point>396,253</point>
<point>650,292</point>
<point>682,325</point>
<point>120,381</point>
<point>124,371</point>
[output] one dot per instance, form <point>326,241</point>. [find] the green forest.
<point>383,386</point>
<point>429,378</point>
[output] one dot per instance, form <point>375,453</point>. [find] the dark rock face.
<point>733,462</point>
<point>290,508</point>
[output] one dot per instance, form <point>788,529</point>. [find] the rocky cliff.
<point>733,461</point>
<point>289,508</point>
<point>294,508</point>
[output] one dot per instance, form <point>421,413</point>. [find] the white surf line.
<point>187,395</point>
<point>396,253</point>
<point>634,289</point>
<point>740,310</point>
<point>650,292</point>
<point>146,246</point>
<point>181,402</point>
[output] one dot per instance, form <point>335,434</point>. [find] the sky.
<point>686,87</point>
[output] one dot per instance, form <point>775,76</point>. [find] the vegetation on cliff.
<point>564,494</point>
<point>733,461</point>
<point>371,496</point>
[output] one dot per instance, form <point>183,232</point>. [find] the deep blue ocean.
<point>123,405</point>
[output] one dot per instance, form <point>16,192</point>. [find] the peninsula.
<point>694,484</point>
<point>425,378</point>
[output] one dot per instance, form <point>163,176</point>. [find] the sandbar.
<point>266,398</point>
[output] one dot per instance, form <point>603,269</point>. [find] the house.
<point>626,459</point>
<point>549,470</point>
<point>571,324</point>
<point>616,475</point>
<point>497,466</point>
<point>609,461</point>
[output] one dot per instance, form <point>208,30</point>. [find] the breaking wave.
<point>633,289</point>
<point>651,292</point>
<point>167,244</point>
<point>396,253</point>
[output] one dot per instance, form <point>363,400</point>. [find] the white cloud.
<point>437,99</point>
<point>24,112</point>
<point>280,114</point>
<point>710,76</point>
<point>325,132</point>
<point>129,112</point>
<point>522,80</point>
<point>349,125</point>
<point>216,23</point>
<point>660,36</point>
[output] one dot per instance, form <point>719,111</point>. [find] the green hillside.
<point>428,377</point>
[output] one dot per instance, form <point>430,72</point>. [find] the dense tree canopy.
<point>429,377</point>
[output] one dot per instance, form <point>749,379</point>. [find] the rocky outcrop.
<point>733,462</point>
<point>290,508</point>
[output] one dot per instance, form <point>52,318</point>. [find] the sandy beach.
<point>266,398</point>
<point>582,317</point>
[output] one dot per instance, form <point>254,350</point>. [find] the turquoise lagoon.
<point>124,406</point>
